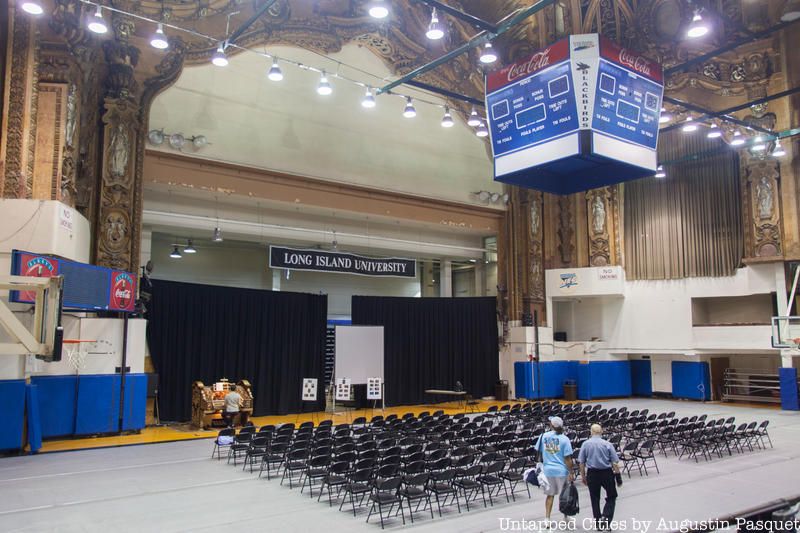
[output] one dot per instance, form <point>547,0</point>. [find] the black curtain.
<point>205,332</point>
<point>430,343</point>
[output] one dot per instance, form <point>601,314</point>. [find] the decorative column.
<point>535,235</point>
<point>18,139</point>
<point>761,208</point>
<point>118,222</point>
<point>602,230</point>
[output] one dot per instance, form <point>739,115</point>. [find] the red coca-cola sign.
<point>629,59</point>
<point>532,64</point>
<point>123,291</point>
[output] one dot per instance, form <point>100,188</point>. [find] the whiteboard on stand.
<point>359,353</point>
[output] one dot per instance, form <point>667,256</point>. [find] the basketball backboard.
<point>786,332</point>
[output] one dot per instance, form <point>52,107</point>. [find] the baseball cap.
<point>556,422</point>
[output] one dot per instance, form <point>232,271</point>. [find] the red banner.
<point>540,60</point>
<point>36,266</point>
<point>631,60</point>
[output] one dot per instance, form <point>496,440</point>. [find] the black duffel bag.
<point>568,500</point>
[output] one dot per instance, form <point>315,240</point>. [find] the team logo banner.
<point>343,263</point>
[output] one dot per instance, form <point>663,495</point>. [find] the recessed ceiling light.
<point>378,9</point>
<point>697,28</point>
<point>435,28</point>
<point>159,40</point>
<point>488,54</point>
<point>96,23</point>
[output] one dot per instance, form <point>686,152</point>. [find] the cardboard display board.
<point>374,388</point>
<point>309,393</point>
<point>343,389</point>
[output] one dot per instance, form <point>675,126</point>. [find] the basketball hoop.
<point>76,351</point>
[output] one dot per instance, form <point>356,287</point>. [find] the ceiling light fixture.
<point>488,54</point>
<point>758,144</point>
<point>275,73</point>
<point>660,172</point>
<point>664,117</point>
<point>435,29</point>
<point>482,131</point>
<point>96,23</point>
<point>219,58</point>
<point>369,99</point>
<point>447,119</point>
<point>778,151</point>
<point>217,237</point>
<point>791,11</point>
<point>159,39</point>
<point>175,254</point>
<point>324,88</point>
<point>32,7</point>
<point>737,139</point>
<point>409,111</point>
<point>697,28</point>
<point>189,249</point>
<point>714,132</point>
<point>474,120</point>
<point>378,9</point>
<point>689,126</point>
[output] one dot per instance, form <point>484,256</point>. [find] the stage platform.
<point>182,432</point>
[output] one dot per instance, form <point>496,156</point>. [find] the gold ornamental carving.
<point>598,209</point>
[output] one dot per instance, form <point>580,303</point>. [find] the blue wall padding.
<point>641,377</point>
<point>691,380</point>
<point>604,379</point>
<point>12,391</point>
<point>523,383</point>
<point>98,404</point>
<point>34,422</point>
<point>57,395</point>
<point>789,394</point>
<point>551,381</point>
<point>135,401</point>
<point>96,407</point>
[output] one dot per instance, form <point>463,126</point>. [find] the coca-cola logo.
<point>122,291</point>
<point>636,62</point>
<point>538,61</point>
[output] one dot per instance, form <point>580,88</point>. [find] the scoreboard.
<point>579,114</point>
<point>86,287</point>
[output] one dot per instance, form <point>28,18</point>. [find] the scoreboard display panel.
<point>86,287</point>
<point>579,114</point>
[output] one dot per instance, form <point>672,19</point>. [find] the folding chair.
<point>386,492</point>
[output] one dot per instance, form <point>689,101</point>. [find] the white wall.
<point>288,127</point>
<point>657,315</point>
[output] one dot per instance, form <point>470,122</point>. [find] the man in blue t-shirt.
<point>555,451</point>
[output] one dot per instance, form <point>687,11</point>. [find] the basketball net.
<point>76,353</point>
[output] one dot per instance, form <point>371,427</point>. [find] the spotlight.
<point>378,9</point>
<point>660,172</point>
<point>199,141</point>
<point>474,119</point>
<point>219,58</point>
<point>32,7</point>
<point>778,151</point>
<point>97,24</point>
<point>159,40</point>
<point>737,139</point>
<point>175,254</point>
<point>189,249</point>
<point>275,73</point>
<point>714,132</point>
<point>217,235</point>
<point>369,99</point>
<point>324,88</point>
<point>435,29</point>
<point>758,144</point>
<point>664,117</point>
<point>697,28</point>
<point>447,119</point>
<point>409,111</point>
<point>689,126</point>
<point>791,11</point>
<point>482,131</point>
<point>487,54</point>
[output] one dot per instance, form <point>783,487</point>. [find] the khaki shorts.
<point>556,484</point>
